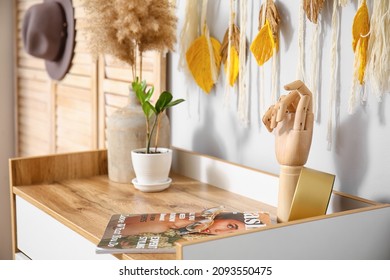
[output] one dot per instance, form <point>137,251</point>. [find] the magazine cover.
<point>158,232</point>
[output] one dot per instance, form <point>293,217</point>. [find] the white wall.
<point>6,122</point>
<point>360,155</point>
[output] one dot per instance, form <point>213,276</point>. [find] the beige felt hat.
<point>48,32</point>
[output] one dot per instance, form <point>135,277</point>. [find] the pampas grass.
<point>127,28</point>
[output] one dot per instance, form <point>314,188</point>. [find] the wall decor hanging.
<point>300,74</point>
<point>333,67</point>
<point>312,10</point>
<point>343,3</point>
<point>266,43</point>
<point>230,48</point>
<point>333,72</point>
<point>189,32</point>
<point>360,38</point>
<point>233,55</point>
<point>203,56</point>
<point>378,62</point>
<point>243,98</point>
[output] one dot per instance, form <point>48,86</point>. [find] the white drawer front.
<point>42,237</point>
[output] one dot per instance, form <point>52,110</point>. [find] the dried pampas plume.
<point>101,34</point>
<point>122,27</point>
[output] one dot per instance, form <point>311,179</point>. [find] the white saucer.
<point>158,187</point>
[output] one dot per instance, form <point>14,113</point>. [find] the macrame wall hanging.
<point>371,46</point>
<point>333,68</point>
<point>378,65</point>
<point>203,56</point>
<point>189,32</point>
<point>300,74</point>
<point>312,10</point>
<point>230,51</point>
<point>230,47</point>
<point>360,38</point>
<point>233,55</point>
<point>266,44</point>
<point>243,98</point>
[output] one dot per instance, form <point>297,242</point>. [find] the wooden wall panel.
<point>33,97</point>
<point>75,95</point>
<point>70,115</point>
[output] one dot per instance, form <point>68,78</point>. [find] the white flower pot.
<point>152,170</point>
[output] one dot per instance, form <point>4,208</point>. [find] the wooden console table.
<point>61,205</point>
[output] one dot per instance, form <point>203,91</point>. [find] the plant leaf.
<point>143,85</point>
<point>140,96</point>
<point>149,93</point>
<point>148,109</point>
<point>140,90</point>
<point>137,88</point>
<point>174,103</point>
<point>163,101</point>
<point>199,63</point>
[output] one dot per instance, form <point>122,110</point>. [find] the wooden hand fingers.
<point>302,89</point>
<point>294,85</point>
<point>305,105</point>
<point>276,113</point>
<point>267,118</point>
<point>301,113</point>
<point>298,101</point>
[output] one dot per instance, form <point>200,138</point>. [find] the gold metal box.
<point>312,194</point>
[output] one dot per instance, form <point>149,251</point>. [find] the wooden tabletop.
<point>86,204</point>
<point>75,190</point>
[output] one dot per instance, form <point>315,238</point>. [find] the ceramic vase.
<point>126,131</point>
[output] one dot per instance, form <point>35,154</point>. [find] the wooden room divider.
<point>70,115</point>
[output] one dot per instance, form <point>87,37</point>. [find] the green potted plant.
<point>152,164</point>
<point>126,30</point>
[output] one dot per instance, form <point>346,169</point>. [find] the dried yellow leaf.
<point>199,62</point>
<point>264,45</point>
<point>234,53</point>
<point>360,35</point>
<point>361,25</point>
<point>234,66</point>
<point>362,59</point>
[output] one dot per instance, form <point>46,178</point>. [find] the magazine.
<point>158,232</point>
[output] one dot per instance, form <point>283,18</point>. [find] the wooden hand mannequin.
<point>291,119</point>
